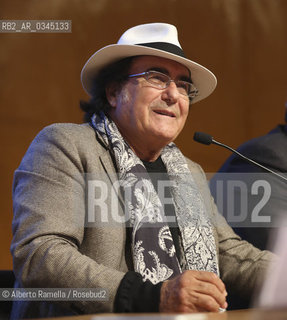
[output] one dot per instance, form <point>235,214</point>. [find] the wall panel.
<point>243,42</point>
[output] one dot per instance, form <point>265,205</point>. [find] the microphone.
<point>207,139</point>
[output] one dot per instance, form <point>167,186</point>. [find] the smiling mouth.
<point>165,113</point>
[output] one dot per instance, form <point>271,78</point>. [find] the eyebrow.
<point>165,71</point>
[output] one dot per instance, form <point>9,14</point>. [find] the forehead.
<point>143,63</point>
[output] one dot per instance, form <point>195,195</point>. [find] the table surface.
<point>250,314</point>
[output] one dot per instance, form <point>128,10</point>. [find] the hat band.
<point>164,46</point>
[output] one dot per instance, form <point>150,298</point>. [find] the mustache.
<point>164,108</point>
<point>159,104</point>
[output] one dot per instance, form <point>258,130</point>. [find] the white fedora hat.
<point>155,39</point>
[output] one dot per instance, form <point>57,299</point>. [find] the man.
<point>270,151</point>
<point>168,257</point>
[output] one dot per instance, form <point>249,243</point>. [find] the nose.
<point>170,94</point>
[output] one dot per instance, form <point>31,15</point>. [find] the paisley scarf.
<point>152,244</point>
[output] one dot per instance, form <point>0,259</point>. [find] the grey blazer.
<point>54,245</point>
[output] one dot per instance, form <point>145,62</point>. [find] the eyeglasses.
<point>162,81</point>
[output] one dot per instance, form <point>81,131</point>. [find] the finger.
<point>211,277</point>
<point>209,289</point>
<point>203,302</point>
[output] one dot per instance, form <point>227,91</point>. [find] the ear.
<point>112,94</point>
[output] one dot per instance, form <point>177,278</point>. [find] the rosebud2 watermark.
<point>245,200</point>
<point>53,294</point>
<point>250,199</point>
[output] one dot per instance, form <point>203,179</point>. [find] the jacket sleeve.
<point>48,224</point>
<point>242,266</point>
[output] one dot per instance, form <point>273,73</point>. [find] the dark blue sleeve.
<point>134,295</point>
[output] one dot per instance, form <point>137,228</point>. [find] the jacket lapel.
<point>109,168</point>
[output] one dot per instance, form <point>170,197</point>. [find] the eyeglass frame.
<point>145,74</point>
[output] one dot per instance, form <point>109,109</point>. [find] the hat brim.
<point>203,79</point>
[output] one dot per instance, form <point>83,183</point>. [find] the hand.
<point>193,291</point>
